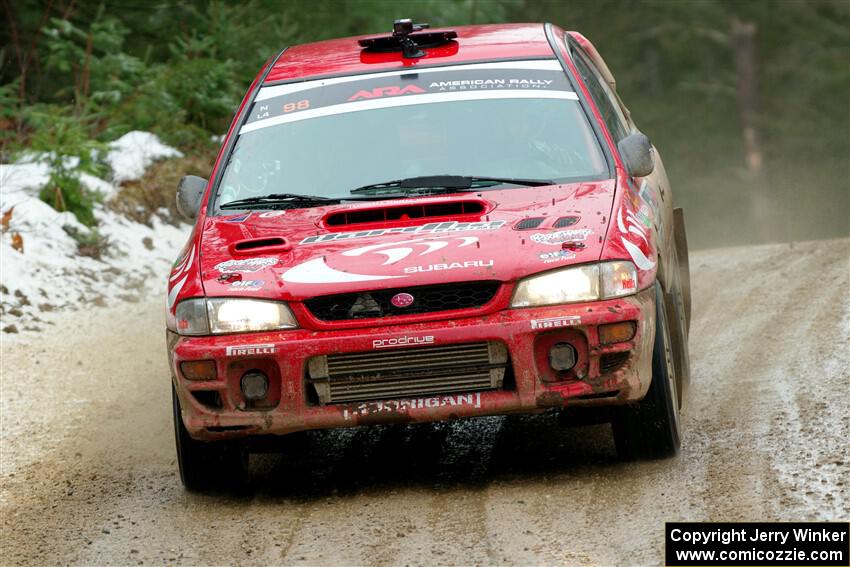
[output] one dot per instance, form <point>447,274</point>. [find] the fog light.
<point>616,332</point>
<point>255,386</point>
<point>198,369</point>
<point>562,356</point>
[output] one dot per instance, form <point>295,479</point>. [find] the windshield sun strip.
<point>405,101</point>
<point>290,88</point>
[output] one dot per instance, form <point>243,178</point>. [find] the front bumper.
<point>216,409</point>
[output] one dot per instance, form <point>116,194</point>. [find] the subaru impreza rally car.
<point>428,225</point>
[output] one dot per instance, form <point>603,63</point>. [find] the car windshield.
<point>326,138</point>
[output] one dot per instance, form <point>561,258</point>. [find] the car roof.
<point>476,43</point>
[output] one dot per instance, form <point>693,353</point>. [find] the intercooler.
<point>410,372</point>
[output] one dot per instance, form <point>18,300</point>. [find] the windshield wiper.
<point>277,199</point>
<point>450,183</point>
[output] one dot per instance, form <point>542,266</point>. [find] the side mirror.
<point>636,151</point>
<point>189,192</point>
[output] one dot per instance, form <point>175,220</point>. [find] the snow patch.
<point>133,152</point>
<point>50,274</point>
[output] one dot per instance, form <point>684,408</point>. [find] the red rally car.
<point>428,225</point>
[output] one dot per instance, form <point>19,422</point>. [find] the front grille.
<point>410,372</point>
<point>426,299</point>
<point>609,363</point>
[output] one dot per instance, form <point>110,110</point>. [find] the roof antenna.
<point>401,31</point>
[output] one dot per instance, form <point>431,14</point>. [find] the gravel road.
<point>89,475</point>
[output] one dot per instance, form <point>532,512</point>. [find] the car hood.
<point>489,235</point>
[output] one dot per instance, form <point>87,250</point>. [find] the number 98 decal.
<point>293,106</point>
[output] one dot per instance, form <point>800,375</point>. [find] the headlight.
<point>216,316</point>
<point>572,285</point>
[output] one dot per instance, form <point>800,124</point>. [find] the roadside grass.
<point>156,190</point>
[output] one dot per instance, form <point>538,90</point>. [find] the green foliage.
<point>62,142</point>
<point>179,69</point>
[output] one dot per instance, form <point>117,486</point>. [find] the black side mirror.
<point>189,192</point>
<point>636,151</point>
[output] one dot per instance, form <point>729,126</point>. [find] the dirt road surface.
<point>89,473</point>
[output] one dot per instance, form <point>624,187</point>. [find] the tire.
<point>206,466</point>
<point>681,353</point>
<point>649,429</point>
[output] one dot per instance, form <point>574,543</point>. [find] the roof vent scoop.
<point>407,37</point>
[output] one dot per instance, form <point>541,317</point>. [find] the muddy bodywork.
<point>298,255</point>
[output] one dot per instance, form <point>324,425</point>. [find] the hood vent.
<point>565,221</point>
<point>528,224</point>
<point>445,210</point>
<point>260,245</point>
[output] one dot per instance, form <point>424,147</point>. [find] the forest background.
<point>747,101</point>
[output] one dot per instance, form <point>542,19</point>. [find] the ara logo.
<point>386,91</point>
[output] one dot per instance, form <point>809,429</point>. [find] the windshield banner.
<point>514,79</point>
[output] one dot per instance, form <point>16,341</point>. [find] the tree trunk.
<point>744,51</point>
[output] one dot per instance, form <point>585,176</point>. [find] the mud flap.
<point>684,262</point>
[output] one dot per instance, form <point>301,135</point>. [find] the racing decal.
<point>430,228</point>
<point>556,322</point>
<point>284,104</point>
<point>386,91</point>
<point>246,285</point>
<point>561,236</point>
<point>400,406</point>
<point>317,271</point>
<point>451,266</point>
<point>183,264</point>
<point>174,292</point>
<point>247,265</point>
<point>181,268</point>
<point>556,256</point>
<point>248,350</point>
<point>631,238</point>
<point>238,218</point>
<point>403,341</point>
<point>301,86</point>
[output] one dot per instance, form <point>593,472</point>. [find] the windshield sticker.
<point>430,228</point>
<point>247,265</point>
<point>464,82</point>
<point>561,236</point>
<point>300,86</point>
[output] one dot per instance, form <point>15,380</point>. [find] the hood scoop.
<point>449,210</point>
<point>259,245</point>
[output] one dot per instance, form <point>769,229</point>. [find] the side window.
<point>602,96</point>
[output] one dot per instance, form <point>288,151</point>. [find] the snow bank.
<point>133,152</point>
<point>50,274</point>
